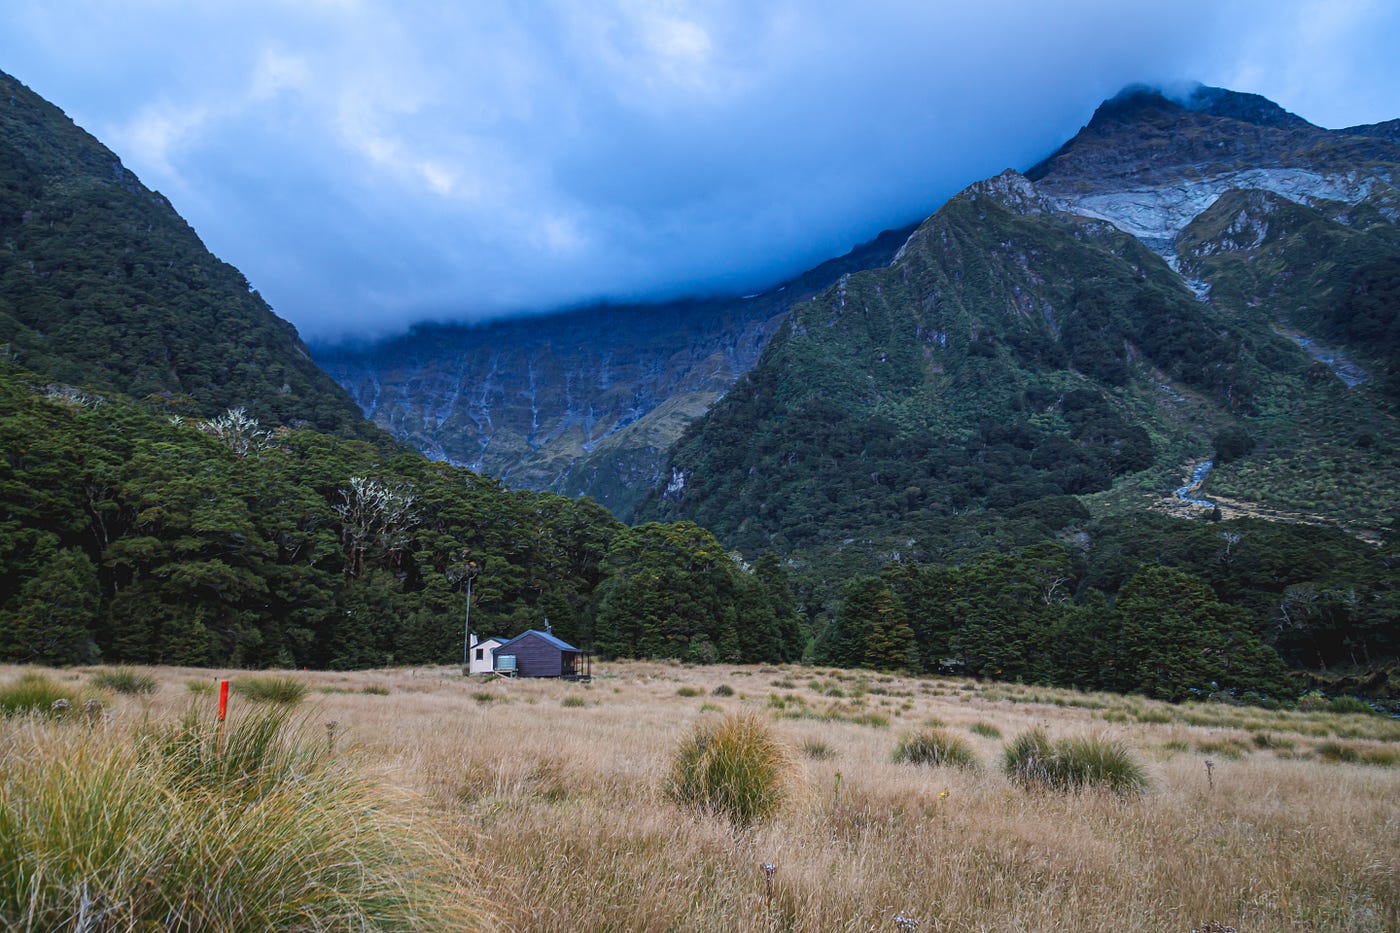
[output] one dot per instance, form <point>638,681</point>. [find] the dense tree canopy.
<point>1170,608</point>
<point>130,535</point>
<point>673,592</point>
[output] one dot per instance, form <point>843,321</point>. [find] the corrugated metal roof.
<point>550,639</point>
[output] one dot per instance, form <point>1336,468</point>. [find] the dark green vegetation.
<point>672,592</point>
<point>133,537</point>
<point>1165,607</point>
<point>172,489</point>
<point>976,376</point>
<point>103,286</point>
<point>906,396</point>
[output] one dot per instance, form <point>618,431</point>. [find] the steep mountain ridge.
<point>581,403</point>
<point>1166,271</point>
<point>1150,165</point>
<point>104,285</point>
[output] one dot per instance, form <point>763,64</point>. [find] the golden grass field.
<point>551,795</point>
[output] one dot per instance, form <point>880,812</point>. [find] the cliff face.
<point>578,403</point>
<point>582,403</point>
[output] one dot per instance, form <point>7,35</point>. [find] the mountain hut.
<point>540,654</point>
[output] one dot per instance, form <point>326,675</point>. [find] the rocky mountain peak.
<point>1247,108</point>
<point>1149,161</point>
<point>1142,102</point>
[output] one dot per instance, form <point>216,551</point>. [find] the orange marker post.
<point>223,712</point>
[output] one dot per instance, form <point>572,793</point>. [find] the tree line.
<point>1165,607</point>
<point>128,534</point>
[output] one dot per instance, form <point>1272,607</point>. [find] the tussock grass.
<point>107,829</point>
<point>734,768</point>
<point>1073,764</point>
<point>689,691</point>
<point>931,746</point>
<point>125,680</point>
<point>35,693</point>
<point>1267,741</point>
<point>287,691</point>
<point>565,822</point>
<point>1222,748</point>
<point>1340,752</point>
<point>985,729</point>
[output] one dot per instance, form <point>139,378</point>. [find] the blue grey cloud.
<point>370,163</point>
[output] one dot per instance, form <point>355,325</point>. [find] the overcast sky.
<point>371,163</point>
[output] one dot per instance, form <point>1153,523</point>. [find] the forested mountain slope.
<point>104,285</point>
<point>1157,294</point>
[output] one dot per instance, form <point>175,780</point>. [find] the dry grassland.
<point>553,792</point>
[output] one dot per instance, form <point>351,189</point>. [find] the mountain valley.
<point>1126,421</point>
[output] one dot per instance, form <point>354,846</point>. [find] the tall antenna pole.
<point>467,631</point>
<point>470,569</point>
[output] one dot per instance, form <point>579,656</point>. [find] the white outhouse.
<point>481,657</point>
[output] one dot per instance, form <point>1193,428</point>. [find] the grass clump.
<point>689,692</point>
<point>125,680</point>
<point>936,748</point>
<point>733,768</point>
<point>34,693</point>
<point>984,729</point>
<point>1073,764</point>
<point>817,750</point>
<point>573,702</point>
<point>1346,704</point>
<point>1222,748</point>
<point>173,828</point>
<point>1338,753</point>
<point>284,691</point>
<point>375,690</point>
<point>723,690</point>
